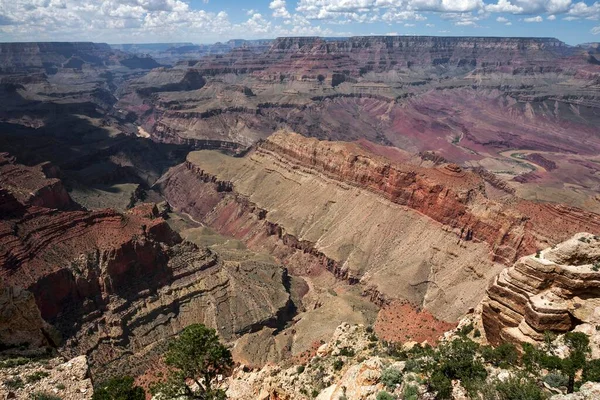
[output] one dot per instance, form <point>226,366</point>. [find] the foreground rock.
<point>555,290</point>
<point>67,380</point>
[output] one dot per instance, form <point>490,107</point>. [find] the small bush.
<point>519,388</point>
<point>411,393</point>
<point>465,330</point>
<point>556,380</point>
<point>391,377</point>
<point>385,396</point>
<point>591,371</point>
<point>300,369</point>
<point>414,365</point>
<point>61,386</point>
<point>347,352</point>
<point>44,396</point>
<point>337,365</point>
<point>119,388</point>
<point>37,376</point>
<point>502,356</point>
<point>14,383</point>
<point>14,362</point>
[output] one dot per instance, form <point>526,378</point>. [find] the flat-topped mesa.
<point>49,55</point>
<point>360,54</point>
<point>293,43</point>
<point>557,290</point>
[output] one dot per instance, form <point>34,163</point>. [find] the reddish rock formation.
<point>449,195</point>
<point>34,186</point>
<point>117,285</point>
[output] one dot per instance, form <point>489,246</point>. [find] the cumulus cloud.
<point>164,20</point>
<point>279,9</point>
<point>534,19</point>
<point>595,30</point>
<point>120,21</point>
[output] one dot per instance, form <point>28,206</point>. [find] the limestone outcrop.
<point>555,290</point>
<point>58,377</point>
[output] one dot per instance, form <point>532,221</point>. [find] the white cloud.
<point>551,17</point>
<point>502,20</point>
<point>582,10</point>
<point>534,19</point>
<point>279,9</point>
<point>595,30</point>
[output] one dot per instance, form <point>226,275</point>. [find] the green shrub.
<point>519,388</point>
<point>119,388</point>
<point>347,352</point>
<point>14,362</point>
<point>14,383</point>
<point>465,330</point>
<point>502,356</point>
<point>441,385</point>
<point>391,377</point>
<point>591,371</point>
<point>44,396</point>
<point>457,360</point>
<point>556,380</point>
<point>37,376</point>
<point>300,369</point>
<point>414,365</point>
<point>385,396</point>
<point>338,364</point>
<point>411,392</point>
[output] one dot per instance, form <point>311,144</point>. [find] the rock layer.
<point>116,286</point>
<point>554,290</point>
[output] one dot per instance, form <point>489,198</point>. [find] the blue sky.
<point>208,21</point>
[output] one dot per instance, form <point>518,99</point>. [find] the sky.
<point>210,21</point>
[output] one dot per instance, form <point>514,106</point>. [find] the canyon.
<point>284,191</point>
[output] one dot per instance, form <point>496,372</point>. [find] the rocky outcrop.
<point>57,377</point>
<point>34,186</point>
<point>168,80</point>
<point>555,290</point>
<point>20,321</point>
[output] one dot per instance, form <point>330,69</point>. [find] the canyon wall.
<point>116,286</point>
<point>408,232</point>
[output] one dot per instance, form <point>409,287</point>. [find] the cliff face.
<point>34,186</point>
<point>116,286</point>
<point>555,290</point>
<point>424,232</point>
<point>50,55</point>
<point>449,195</point>
<point>380,53</point>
